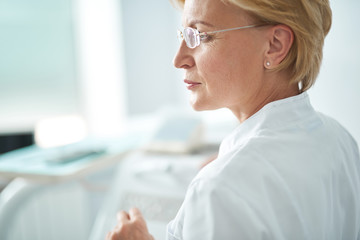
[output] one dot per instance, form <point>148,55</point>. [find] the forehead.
<point>214,12</point>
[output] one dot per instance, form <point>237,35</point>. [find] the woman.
<point>287,172</point>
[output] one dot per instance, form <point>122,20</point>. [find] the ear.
<point>281,38</point>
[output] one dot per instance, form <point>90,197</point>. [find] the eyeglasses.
<point>193,37</point>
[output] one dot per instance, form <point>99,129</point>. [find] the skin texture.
<point>228,70</point>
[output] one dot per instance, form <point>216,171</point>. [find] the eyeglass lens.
<point>192,38</point>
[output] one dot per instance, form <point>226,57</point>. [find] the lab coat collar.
<point>273,115</point>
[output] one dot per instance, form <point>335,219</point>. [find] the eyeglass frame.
<point>202,35</point>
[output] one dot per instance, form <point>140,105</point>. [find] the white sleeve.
<point>213,212</point>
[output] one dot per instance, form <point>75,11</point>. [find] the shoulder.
<point>334,127</point>
<point>337,139</point>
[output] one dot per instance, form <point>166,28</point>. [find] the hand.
<point>130,226</point>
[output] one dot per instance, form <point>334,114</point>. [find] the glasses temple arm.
<point>230,29</point>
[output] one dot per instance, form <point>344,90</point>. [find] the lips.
<point>191,84</point>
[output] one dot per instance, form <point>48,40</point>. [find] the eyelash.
<point>207,38</point>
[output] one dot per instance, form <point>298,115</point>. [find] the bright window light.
<point>61,130</point>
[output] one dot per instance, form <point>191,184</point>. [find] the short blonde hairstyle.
<point>310,21</point>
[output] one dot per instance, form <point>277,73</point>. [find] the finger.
<point>112,236</point>
<point>122,216</point>
<point>135,213</point>
<point>108,236</point>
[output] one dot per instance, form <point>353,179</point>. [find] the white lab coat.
<point>288,172</point>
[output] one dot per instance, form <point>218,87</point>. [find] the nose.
<point>183,58</point>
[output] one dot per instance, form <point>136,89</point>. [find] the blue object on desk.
<point>36,162</point>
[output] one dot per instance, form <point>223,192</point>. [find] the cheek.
<point>244,63</point>
<point>209,66</point>
<point>225,69</point>
<point>209,58</point>
<point>215,73</point>
<point>216,69</point>
<point>221,79</point>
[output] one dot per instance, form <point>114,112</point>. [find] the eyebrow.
<point>194,22</point>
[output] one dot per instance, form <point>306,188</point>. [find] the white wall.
<point>37,62</point>
<point>150,42</point>
<point>99,47</point>
<point>337,90</point>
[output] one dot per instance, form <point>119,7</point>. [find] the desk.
<point>29,162</point>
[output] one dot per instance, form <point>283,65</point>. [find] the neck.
<point>270,92</point>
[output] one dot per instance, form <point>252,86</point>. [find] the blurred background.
<point>92,63</point>
<point>72,69</point>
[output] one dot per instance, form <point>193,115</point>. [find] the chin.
<point>197,106</point>
<point>200,102</point>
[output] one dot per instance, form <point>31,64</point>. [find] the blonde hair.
<point>310,21</point>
